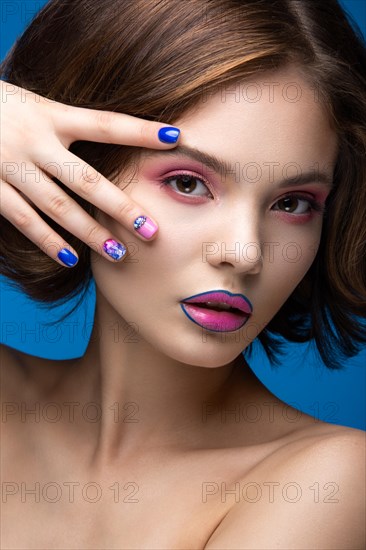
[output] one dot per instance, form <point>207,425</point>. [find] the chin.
<point>208,354</point>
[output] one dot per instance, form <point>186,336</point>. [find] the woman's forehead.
<point>286,123</point>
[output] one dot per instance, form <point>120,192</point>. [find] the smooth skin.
<point>38,134</point>
<point>173,443</point>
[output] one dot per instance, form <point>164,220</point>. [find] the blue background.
<point>302,381</point>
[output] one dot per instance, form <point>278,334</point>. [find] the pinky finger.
<point>21,214</point>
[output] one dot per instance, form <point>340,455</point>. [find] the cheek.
<point>296,257</point>
<point>297,246</point>
<point>292,270</point>
<point>284,270</point>
<point>155,264</point>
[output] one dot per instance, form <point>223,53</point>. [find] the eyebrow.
<point>221,166</point>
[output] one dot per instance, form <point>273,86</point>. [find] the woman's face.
<point>253,229</point>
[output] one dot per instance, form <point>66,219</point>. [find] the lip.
<point>218,321</point>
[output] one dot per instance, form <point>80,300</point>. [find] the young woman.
<point>141,442</point>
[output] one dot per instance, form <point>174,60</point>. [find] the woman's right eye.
<point>186,184</point>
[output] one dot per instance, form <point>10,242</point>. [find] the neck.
<point>147,399</point>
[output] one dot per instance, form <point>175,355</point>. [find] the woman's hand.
<point>35,133</point>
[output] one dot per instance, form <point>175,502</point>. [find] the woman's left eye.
<point>293,204</point>
<point>187,184</point>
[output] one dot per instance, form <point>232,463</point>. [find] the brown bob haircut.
<point>154,59</point>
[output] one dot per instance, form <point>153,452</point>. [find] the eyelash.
<point>314,205</point>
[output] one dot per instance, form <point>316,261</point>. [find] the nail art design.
<point>114,249</point>
<point>67,257</point>
<point>169,134</point>
<point>145,226</point>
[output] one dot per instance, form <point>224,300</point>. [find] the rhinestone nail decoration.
<point>139,222</point>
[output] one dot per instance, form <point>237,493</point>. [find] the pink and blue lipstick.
<point>218,310</point>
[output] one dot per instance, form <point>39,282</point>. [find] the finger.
<point>50,199</point>
<point>89,184</point>
<point>20,214</point>
<point>78,123</point>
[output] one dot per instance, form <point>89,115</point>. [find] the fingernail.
<point>114,249</point>
<point>67,257</point>
<point>169,134</point>
<point>145,226</point>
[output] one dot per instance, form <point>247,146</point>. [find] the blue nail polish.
<point>67,257</point>
<point>169,134</point>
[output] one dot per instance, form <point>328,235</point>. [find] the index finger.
<point>79,123</point>
<point>91,185</point>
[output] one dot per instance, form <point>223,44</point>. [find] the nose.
<point>235,242</point>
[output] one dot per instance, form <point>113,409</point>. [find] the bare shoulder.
<point>310,493</point>
<point>323,449</point>
<point>316,434</point>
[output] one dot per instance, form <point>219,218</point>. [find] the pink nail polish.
<point>145,226</point>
